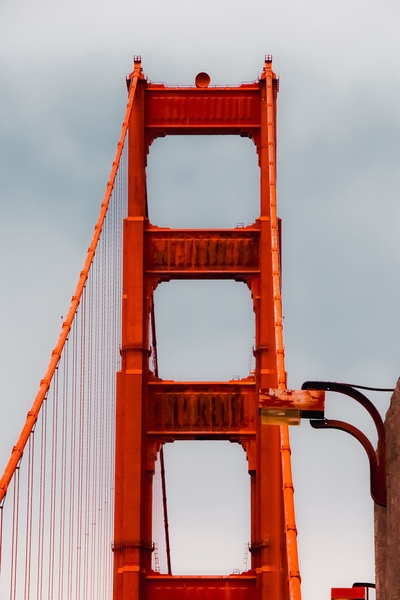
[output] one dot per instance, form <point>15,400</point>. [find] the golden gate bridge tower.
<point>79,523</point>
<point>150,411</point>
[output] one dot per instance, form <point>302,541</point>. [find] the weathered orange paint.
<point>197,254</point>
<point>151,411</point>
<point>206,410</point>
<point>283,405</point>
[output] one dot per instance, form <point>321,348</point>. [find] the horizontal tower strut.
<point>213,111</point>
<point>202,410</point>
<point>202,253</point>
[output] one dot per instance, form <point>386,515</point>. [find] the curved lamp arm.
<point>377,460</point>
<point>377,486</point>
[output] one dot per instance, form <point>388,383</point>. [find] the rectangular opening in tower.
<point>203,181</point>
<point>208,496</point>
<point>205,330</point>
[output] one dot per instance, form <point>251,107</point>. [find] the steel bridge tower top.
<point>152,412</point>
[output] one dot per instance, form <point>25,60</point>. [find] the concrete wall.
<point>387,520</point>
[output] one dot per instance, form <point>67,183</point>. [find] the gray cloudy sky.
<point>62,70</point>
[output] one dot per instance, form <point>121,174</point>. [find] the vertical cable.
<point>14,534</point>
<point>164,498</point>
<point>97,359</point>
<point>72,458</point>
<point>104,342</point>
<point>91,458</point>
<point>42,500</point>
<point>63,476</point>
<point>68,491</point>
<point>110,373</point>
<point>29,509</point>
<point>104,399</point>
<point>155,499</point>
<point>89,455</point>
<point>68,501</point>
<point>53,486</point>
<point>81,445</point>
<point>18,449</point>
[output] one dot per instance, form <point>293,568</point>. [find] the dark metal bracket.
<point>377,459</point>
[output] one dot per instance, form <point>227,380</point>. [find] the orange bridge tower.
<point>150,411</point>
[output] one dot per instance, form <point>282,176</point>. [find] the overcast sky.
<point>62,100</point>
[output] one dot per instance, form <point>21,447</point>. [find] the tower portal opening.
<point>203,181</point>
<point>205,330</point>
<point>208,492</point>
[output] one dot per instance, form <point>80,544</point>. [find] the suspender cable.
<point>154,341</point>
<point>53,486</point>
<point>31,419</point>
<point>42,496</point>
<point>14,547</point>
<point>63,477</point>
<point>28,531</point>
<point>164,500</point>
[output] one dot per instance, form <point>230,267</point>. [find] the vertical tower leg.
<point>133,545</point>
<point>269,530</point>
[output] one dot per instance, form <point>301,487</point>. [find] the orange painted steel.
<point>202,410</point>
<point>281,406</point>
<point>32,416</point>
<point>198,254</point>
<point>237,587</point>
<point>288,489</point>
<point>150,411</point>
